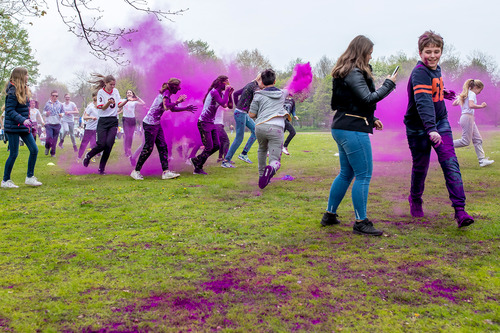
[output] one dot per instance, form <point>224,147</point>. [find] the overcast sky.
<point>285,30</point>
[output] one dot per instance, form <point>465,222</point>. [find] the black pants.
<point>153,134</point>
<point>210,140</point>
<point>106,134</point>
<point>291,132</point>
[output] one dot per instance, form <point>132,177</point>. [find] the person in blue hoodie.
<point>18,125</point>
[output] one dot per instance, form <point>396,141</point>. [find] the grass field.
<point>94,253</point>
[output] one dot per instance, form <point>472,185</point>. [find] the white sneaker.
<point>167,174</point>
<point>285,151</point>
<point>9,184</point>
<point>485,161</point>
<point>136,175</point>
<point>32,181</point>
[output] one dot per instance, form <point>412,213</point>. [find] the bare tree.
<point>82,19</point>
<point>324,67</point>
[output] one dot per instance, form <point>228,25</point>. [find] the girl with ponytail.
<point>468,101</point>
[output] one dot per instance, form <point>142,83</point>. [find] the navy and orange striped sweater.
<point>425,100</point>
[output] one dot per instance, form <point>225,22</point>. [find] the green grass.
<point>215,253</point>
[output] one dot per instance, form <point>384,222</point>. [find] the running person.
<point>290,108</point>
<point>468,101</point>
<point>153,132</point>
<point>107,126</point>
<point>36,118</point>
<point>242,99</point>
<point>90,116</point>
<point>213,99</point>
<point>68,121</point>
<point>53,113</point>
<point>129,120</point>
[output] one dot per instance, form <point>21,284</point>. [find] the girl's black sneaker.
<point>329,219</point>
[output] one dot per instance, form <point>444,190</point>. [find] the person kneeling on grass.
<point>269,114</point>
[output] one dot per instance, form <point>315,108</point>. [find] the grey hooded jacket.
<point>268,104</point>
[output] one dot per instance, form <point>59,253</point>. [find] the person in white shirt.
<point>108,104</point>
<point>90,116</point>
<point>36,118</point>
<point>68,121</point>
<point>129,120</point>
<point>468,101</point>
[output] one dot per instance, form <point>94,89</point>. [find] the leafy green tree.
<point>252,60</point>
<point>15,51</point>
<point>200,49</point>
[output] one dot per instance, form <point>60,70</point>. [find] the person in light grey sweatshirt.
<point>269,114</point>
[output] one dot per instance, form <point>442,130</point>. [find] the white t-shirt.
<point>102,98</point>
<point>129,109</point>
<point>465,106</point>
<point>91,111</point>
<point>35,115</point>
<point>219,117</point>
<point>69,118</point>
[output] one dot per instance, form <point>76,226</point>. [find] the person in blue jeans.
<point>18,125</point>
<point>354,99</point>
<point>242,99</point>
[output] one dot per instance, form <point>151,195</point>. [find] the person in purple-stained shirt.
<point>153,132</point>
<point>219,94</point>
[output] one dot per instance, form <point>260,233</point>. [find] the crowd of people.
<point>267,112</point>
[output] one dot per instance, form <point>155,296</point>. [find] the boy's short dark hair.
<point>429,38</point>
<point>268,77</point>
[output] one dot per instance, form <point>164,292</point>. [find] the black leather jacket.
<point>354,98</point>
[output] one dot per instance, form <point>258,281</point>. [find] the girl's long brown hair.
<point>18,80</point>
<point>218,81</point>
<point>355,56</point>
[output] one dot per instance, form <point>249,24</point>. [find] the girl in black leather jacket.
<point>354,99</point>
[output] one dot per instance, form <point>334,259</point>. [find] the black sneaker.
<point>101,172</point>
<point>86,160</point>
<point>46,151</point>
<point>329,219</point>
<point>199,171</point>
<point>366,227</point>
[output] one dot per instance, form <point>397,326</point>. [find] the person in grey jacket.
<point>269,114</point>
<point>354,97</point>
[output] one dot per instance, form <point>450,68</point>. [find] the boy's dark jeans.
<point>420,147</point>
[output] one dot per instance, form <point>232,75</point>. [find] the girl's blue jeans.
<point>355,154</point>
<point>14,151</point>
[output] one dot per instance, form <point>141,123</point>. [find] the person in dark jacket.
<point>354,99</point>
<point>18,125</point>
<point>427,126</point>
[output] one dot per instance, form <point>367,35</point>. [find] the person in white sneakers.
<point>468,101</point>
<point>153,132</point>
<point>18,125</point>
